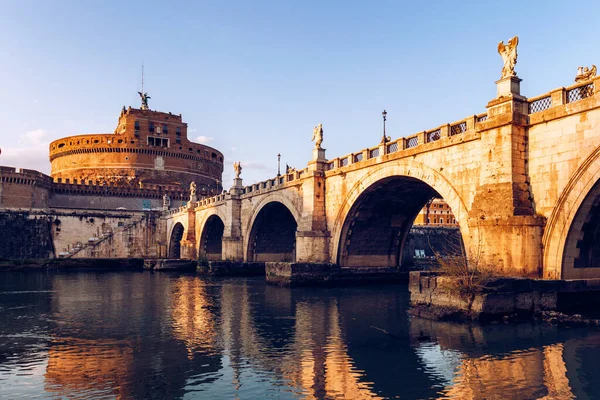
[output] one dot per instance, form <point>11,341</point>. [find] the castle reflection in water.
<point>144,335</point>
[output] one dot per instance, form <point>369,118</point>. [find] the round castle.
<point>148,148</point>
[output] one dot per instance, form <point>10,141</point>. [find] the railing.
<point>374,152</point>
<point>357,157</point>
<point>541,104</point>
<point>392,147</point>
<point>459,128</point>
<point>433,135</point>
<point>343,161</point>
<point>481,118</point>
<point>580,93</point>
<point>412,142</point>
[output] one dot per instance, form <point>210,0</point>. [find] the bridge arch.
<point>175,240</point>
<point>571,224</point>
<point>271,231</point>
<point>210,244</point>
<point>421,180</point>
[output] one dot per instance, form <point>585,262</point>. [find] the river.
<point>176,336</point>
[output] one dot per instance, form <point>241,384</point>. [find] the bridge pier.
<point>509,246</point>
<point>232,249</point>
<point>188,242</point>
<point>506,233</point>
<point>312,246</point>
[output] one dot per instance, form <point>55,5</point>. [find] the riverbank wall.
<point>443,297</point>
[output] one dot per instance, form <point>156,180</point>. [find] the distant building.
<point>147,148</point>
<point>148,158</point>
<point>436,212</point>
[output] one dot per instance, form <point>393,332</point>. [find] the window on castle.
<point>151,127</point>
<point>150,141</point>
<point>165,129</point>
<point>136,125</point>
<point>178,131</point>
<point>178,141</point>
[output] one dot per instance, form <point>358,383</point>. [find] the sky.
<point>252,78</point>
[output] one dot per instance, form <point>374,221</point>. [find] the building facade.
<point>436,212</point>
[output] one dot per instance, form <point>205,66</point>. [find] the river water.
<point>163,335</point>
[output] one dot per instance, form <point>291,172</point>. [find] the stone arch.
<point>282,234</point>
<point>210,244</point>
<point>403,168</point>
<point>175,240</point>
<point>568,217</point>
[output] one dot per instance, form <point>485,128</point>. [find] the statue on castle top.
<point>317,136</point>
<point>508,53</point>
<point>237,167</point>
<point>585,74</point>
<point>145,98</point>
<point>166,202</point>
<point>192,189</point>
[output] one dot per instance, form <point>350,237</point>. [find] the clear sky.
<point>252,78</point>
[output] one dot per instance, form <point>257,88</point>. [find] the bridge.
<point>521,179</point>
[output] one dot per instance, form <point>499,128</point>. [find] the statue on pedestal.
<point>585,74</point>
<point>508,53</point>
<point>166,202</point>
<point>145,98</point>
<point>317,136</point>
<point>237,167</point>
<point>193,190</point>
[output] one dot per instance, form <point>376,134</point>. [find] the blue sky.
<point>252,78</point>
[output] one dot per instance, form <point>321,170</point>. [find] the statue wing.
<point>593,70</point>
<point>501,47</point>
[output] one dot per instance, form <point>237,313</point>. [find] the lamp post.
<point>278,164</point>
<point>384,139</point>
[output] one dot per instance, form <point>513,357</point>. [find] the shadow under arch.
<point>390,180</point>
<point>569,221</point>
<point>272,234</point>
<point>211,238</point>
<point>175,240</point>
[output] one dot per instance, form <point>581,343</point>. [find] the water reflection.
<point>152,335</point>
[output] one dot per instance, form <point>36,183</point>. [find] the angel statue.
<point>145,98</point>
<point>317,136</point>
<point>508,53</point>
<point>585,74</point>
<point>237,167</point>
<point>192,189</point>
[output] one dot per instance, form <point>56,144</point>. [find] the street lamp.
<point>278,164</point>
<point>385,138</point>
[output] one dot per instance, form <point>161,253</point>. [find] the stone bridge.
<point>521,179</point>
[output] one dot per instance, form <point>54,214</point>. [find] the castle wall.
<point>23,188</point>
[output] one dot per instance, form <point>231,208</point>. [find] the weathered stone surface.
<point>437,296</point>
<point>232,268</point>
<point>174,265</point>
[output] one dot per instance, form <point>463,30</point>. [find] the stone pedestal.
<point>508,86</point>
<point>318,154</point>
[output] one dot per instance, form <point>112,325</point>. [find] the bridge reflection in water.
<point>144,335</point>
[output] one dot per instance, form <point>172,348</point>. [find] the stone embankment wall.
<point>80,234</point>
<point>25,236</point>
<point>437,296</point>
